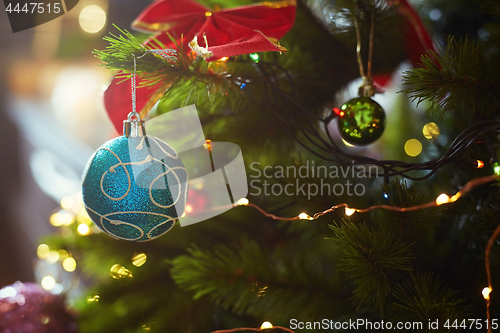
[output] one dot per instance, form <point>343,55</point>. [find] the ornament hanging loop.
<point>366,89</point>
<point>134,126</point>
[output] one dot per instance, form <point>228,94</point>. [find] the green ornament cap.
<point>361,121</point>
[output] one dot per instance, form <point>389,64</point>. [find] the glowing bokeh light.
<point>93,298</point>
<point>431,131</point>
<point>67,202</point>
<point>139,259</point>
<point>52,256</point>
<point>48,282</point>
<point>42,251</point>
<point>413,147</point>
<point>61,218</point>
<point>117,271</point>
<point>69,264</point>
<point>92,19</point>
<point>83,229</point>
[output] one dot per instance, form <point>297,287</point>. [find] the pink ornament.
<point>28,308</point>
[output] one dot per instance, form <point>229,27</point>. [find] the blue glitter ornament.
<point>135,186</point>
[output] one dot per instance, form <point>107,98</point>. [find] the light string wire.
<point>440,200</point>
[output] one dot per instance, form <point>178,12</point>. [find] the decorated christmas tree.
<point>371,163</point>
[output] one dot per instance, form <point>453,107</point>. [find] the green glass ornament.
<point>361,121</point>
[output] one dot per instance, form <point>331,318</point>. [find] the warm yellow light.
<point>42,251</point>
<point>242,202</point>
<point>413,147</point>
<point>119,272</point>
<point>455,197</point>
<point>83,229</point>
<point>224,58</point>
<point>208,145</point>
<point>442,199</point>
<point>67,202</point>
<point>61,218</point>
<point>63,254</point>
<point>139,259</point>
<point>304,216</point>
<point>92,19</point>
<point>430,131</point>
<point>93,298</point>
<point>479,164</point>
<point>349,211</point>
<point>48,282</point>
<point>69,264</point>
<point>183,214</point>
<point>52,256</point>
<point>486,292</point>
<point>188,209</point>
<point>265,325</point>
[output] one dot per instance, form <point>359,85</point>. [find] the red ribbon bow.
<point>228,32</point>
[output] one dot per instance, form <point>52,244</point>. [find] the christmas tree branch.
<point>371,260</point>
<point>461,81</point>
<point>254,281</point>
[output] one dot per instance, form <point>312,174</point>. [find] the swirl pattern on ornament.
<point>135,188</point>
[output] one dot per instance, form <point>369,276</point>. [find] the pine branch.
<point>372,259</point>
<point>248,279</point>
<point>414,227</point>
<point>460,81</point>
<point>424,297</point>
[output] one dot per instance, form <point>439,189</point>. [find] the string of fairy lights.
<point>73,220</point>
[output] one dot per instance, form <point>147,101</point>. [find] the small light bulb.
<point>442,199</point>
<point>265,325</point>
<point>486,292</point>
<point>224,58</point>
<point>496,168</point>
<point>304,216</point>
<point>208,145</point>
<point>243,202</point>
<point>349,211</point>
<point>479,164</point>
<point>255,57</point>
